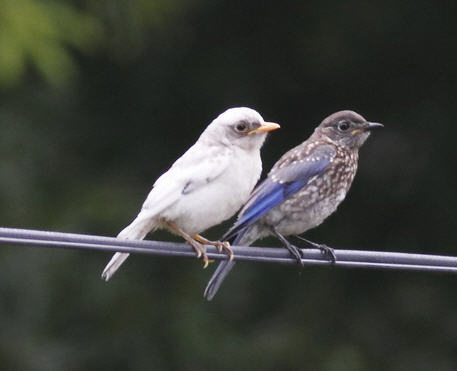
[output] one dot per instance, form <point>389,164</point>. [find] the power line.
<point>344,258</point>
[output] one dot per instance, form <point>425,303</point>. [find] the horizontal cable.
<point>344,258</point>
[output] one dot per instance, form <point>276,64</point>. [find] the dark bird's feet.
<point>328,251</point>
<point>294,250</point>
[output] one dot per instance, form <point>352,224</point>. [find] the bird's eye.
<point>343,125</point>
<point>241,127</point>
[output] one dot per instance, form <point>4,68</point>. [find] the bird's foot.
<point>201,252</point>
<point>224,247</point>
<point>328,251</point>
<point>198,247</point>
<point>296,252</point>
<point>220,246</point>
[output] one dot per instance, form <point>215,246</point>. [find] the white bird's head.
<point>240,126</point>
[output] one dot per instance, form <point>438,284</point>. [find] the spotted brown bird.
<point>302,189</point>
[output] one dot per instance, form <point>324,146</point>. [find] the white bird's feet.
<point>220,246</point>
<point>198,247</point>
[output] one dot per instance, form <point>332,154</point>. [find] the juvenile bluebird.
<point>207,185</point>
<point>302,189</point>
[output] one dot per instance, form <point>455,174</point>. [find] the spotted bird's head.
<point>346,128</point>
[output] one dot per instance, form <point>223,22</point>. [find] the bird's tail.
<point>137,230</point>
<point>225,266</point>
<point>222,270</point>
<point>114,264</point>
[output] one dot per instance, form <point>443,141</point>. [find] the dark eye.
<point>241,127</point>
<point>343,125</point>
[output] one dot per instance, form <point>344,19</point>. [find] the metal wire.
<point>344,258</point>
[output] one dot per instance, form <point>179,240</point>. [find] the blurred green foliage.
<point>98,98</point>
<point>43,34</point>
<point>40,33</point>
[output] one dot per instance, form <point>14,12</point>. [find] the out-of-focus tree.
<point>40,34</point>
<point>43,34</point>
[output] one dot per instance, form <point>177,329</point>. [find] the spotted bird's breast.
<point>310,206</point>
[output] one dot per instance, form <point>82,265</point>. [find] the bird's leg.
<point>328,251</point>
<point>292,249</point>
<point>199,248</point>
<point>221,246</point>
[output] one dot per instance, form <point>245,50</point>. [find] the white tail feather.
<point>137,230</point>
<point>114,264</point>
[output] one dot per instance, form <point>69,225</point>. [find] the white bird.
<point>205,186</point>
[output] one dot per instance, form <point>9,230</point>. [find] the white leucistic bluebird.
<point>302,189</point>
<point>208,184</point>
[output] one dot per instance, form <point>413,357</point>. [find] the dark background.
<point>98,98</point>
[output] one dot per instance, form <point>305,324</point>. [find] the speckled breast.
<point>309,207</point>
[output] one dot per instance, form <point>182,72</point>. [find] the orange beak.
<point>265,128</point>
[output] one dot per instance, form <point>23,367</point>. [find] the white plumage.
<point>207,185</point>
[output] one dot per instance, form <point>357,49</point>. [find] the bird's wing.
<point>290,174</point>
<point>199,166</point>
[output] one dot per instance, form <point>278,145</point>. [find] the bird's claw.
<point>294,250</point>
<point>299,257</point>
<point>328,251</point>
<point>220,246</point>
<point>224,246</point>
<point>297,254</point>
<point>206,261</point>
<point>201,253</point>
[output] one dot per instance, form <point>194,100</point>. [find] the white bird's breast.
<point>220,198</point>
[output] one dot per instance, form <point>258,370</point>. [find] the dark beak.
<point>374,125</point>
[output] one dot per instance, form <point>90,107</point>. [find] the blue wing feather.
<point>291,173</point>
<point>271,192</point>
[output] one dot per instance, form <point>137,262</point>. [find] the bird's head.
<point>240,126</point>
<point>346,128</point>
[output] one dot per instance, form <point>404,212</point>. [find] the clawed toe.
<point>296,253</point>
<point>206,261</point>
<point>329,252</point>
<point>225,246</point>
<point>220,246</point>
<point>201,253</point>
<point>298,256</point>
